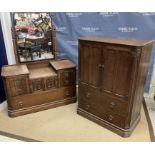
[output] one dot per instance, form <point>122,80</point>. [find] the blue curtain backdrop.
<point>71,26</point>
<point>3,61</point>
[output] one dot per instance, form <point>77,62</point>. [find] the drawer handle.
<point>87,106</point>
<point>101,66</point>
<point>88,95</point>
<point>110,117</point>
<point>20,103</point>
<point>112,105</point>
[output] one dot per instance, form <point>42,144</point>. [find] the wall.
<point>3,61</point>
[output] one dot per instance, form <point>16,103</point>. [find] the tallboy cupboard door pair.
<point>112,74</point>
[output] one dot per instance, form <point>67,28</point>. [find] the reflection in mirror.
<point>34,36</point>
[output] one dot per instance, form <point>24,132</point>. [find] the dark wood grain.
<point>112,76</point>
<point>35,87</point>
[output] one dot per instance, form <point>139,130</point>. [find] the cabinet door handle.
<point>101,66</point>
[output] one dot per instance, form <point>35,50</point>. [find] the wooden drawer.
<point>88,95</point>
<point>112,104</point>
<point>101,112</point>
<point>114,119</point>
<point>42,97</point>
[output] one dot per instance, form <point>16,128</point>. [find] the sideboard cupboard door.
<point>67,78</point>
<point>17,86</point>
<point>90,63</point>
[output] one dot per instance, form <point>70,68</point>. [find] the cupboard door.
<point>124,73</point>
<point>108,72</point>
<point>18,86</point>
<point>89,63</point>
<point>37,85</point>
<point>67,78</point>
<point>51,82</point>
<point>118,70</point>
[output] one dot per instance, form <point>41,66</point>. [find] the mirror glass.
<point>34,36</point>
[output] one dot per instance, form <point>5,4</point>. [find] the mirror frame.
<point>14,40</point>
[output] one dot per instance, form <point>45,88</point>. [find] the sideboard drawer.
<point>39,98</point>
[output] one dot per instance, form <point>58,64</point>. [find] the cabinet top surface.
<point>13,70</point>
<point>122,41</point>
<point>62,64</point>
<point>41,72</point>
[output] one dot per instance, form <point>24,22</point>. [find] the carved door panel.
<point>108,72</point>
<point>124,73</point>
<point>51,82</point>
<point>18,86</point>
<point>37,85</point>
<point>90,63</point>
<point>67,78</point>
<point>118,70</point>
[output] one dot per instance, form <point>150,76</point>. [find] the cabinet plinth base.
<point>41,107</point>
<point>120,131</point>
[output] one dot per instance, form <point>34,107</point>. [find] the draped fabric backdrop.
<point>71,26</point>
<point>3,61</point>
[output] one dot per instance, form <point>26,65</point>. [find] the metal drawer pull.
<point>87,106</point>
<point>111,117</point>
<point>20,103</point>
<point>101,66</point>
<point>112,105</point>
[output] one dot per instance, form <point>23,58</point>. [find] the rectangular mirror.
<point>33,37</point>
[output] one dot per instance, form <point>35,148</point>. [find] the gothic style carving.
<point>111,81</point>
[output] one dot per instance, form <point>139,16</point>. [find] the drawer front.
<point>41,98</point>
<point>92,95</point>
<point>86,97</point>
<point>112,104</point>
<point>102,106</point>
<point>114,119</point>
<point>101,112</point>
